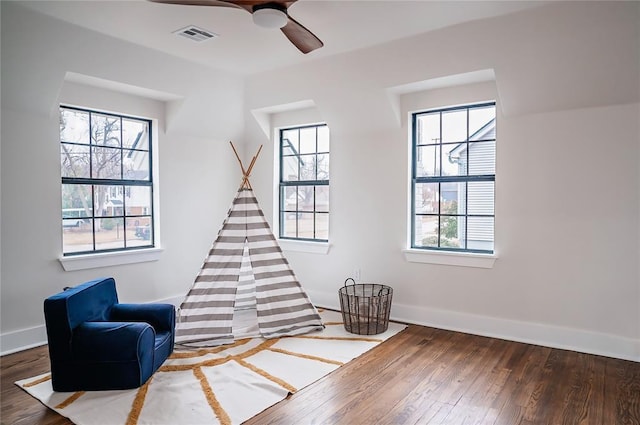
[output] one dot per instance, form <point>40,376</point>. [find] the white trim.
<point>545,335</point>
<point>23,339</point>
<point>304,246</point>
<point>107,259</point>
<point>464,259</point>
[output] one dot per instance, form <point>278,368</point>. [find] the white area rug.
<point>220,385</point>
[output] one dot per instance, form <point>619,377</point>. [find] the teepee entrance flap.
<point>246,286</point>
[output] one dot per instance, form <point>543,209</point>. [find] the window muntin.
<point>107,184</point>
<point>453,178</point>
<point>304,183</point>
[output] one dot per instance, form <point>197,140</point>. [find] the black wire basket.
<point>365,307</point>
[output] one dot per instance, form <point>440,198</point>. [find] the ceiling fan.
<point>269,14</point>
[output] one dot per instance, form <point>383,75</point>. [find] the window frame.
<point>439,180</point>
<point>283,184</point>
<point>120,255</point>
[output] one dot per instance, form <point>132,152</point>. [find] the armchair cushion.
<point>97,344</point>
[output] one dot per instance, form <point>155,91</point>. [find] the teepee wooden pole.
<point>253,161</point>
<point>245,173</point>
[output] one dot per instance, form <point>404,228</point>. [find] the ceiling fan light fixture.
<point>270,16</point>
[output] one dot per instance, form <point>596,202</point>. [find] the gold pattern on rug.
<point>70,400</point>
<point>270,377</point>
<point>306,356</point>
<point>38,381</point>
<point>220,413</point>
<point>138,404</point>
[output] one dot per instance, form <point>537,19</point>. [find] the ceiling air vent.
<point>196,34</point>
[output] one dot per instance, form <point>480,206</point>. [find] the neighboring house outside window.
<point>107,185</point>
<point>453,178</point>
<point>304,183</point>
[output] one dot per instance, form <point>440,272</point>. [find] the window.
<point>453,178</point>
<point>304,183</point>
<point>107,185</point>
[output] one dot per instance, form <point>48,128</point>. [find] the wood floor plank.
<point>421,376</point>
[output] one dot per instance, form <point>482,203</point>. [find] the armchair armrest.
<point>161,316</point>
<point>111,341</point>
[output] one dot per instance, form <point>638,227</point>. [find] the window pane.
<point>323,139</point>
<point>306,225</point>
<point>108,200</point>
<point>139,231</point>
<point>428,127</point>
<point>290,168</point>
<point>323,167</point>
<point>135,134</point>
<point>426,198</point>
<point>289,198</point>
<point>105,130</point>
<point>322,226</point>
<point>76,201</point>
<point>306,195</point>
<point>109,233</point>
<point>426,230</point>
<point>454,159</point>
<point>452,231</point>
<point>427,161</point>
<point>106,163</point>
<point>454,126</point>
<point>74,126</point>
<point>288,229</point>
<point>452,198</point>
<point>480,198</point>
<point>290,145</point>
<point>137,200</point>
<point>308,140</point>
<point>322,198</point>
<point>74,160</point>
<point>480,233</point>
<point>77,238</point>
<point>482,158</point>
<point>479,118</point>
<point>135,165</point>
<point>308,167</point>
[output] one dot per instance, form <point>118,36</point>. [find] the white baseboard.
<point>531,333</point>
<point>23,339</point>
<point>12,342</point>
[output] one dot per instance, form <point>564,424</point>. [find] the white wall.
<point>198,172</point>
<point>567,188</point>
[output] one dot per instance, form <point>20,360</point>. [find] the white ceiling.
<point>244,48</point>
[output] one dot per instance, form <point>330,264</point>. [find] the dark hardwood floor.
<point>423,376</point>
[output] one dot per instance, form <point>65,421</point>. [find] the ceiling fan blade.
<point>301,37</point>
<point>242,4</point>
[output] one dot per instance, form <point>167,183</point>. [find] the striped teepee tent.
<point>246,287</point>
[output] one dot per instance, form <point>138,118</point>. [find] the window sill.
<point>463,259</point>
<point>93,261</point>
<point>304,246</point>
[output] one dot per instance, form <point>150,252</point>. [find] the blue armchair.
<point>95,343</point>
